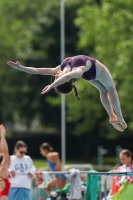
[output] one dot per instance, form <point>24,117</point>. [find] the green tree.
<point>31,34</point>
<point>106,33</point>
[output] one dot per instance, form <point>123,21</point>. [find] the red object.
<point>5,191</point>
<point>40,198</point>
<point>114,188</point>
<point>39,177</point>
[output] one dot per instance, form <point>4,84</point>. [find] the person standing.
<point>22,171</point>
<point>4,164</point>
<point>126,158</point>
<point>122,187</point>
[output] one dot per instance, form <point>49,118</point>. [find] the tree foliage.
<point>31,34</point>
<point>106,33</point>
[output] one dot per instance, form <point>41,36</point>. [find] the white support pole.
<point>62,40</point>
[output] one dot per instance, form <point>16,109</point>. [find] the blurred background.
<point>30,33</point>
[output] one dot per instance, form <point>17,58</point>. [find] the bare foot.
<point>118,123</point>
<point>122,122</point>
<point>113,119</point>
<point>117,126</point>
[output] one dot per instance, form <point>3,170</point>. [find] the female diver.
<point>90,69</point>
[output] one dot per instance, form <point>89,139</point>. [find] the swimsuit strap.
<point>3,179</point>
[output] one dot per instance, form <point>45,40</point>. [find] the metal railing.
<point>78,166</point>
<point>104,185</point>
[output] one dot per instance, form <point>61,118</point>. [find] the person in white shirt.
<point>22,171</point>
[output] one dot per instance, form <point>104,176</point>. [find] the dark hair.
<point>127,153</point>
<point>1,158</point>
<point>67,87</point>
<point>20,144</point>
<point>46,146</point>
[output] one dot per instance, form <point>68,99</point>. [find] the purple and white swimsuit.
<point>80,60</point>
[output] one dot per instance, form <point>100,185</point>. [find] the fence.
<point>105,184</point>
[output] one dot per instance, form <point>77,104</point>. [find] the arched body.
<point>90,69</point>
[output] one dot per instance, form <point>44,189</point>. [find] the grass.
<point>106,161</point>
<point>41,163</point>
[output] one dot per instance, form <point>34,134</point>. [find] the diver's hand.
<point>14,64</point>
<point>46,89</point>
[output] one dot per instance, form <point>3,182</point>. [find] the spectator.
<point>53,162</point>
<point>122,187</point>
<point>4,164</point>
<point>126,158</point>
<point>22,170</point>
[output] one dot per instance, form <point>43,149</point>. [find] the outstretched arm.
<point>64,78</point>
<point>4,147</point>
<point>32,70</point>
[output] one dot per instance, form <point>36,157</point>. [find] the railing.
<point>78,166</point>
<point>105,182</point>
